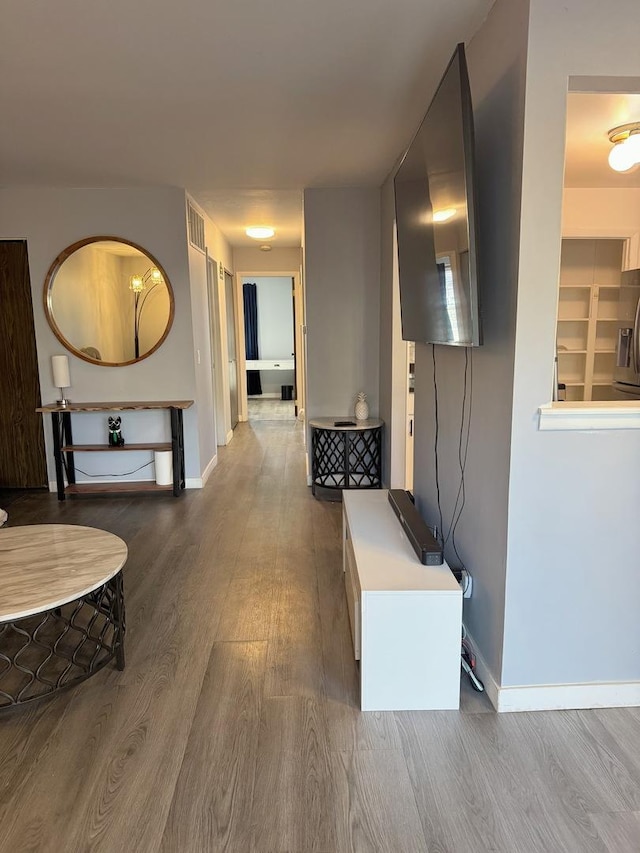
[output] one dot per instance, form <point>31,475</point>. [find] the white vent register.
<point>406,618</point>
<point>196,227</point>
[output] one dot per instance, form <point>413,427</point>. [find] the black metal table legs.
<point>55,649</point>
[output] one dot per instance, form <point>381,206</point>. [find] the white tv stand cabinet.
<point>406,618</point>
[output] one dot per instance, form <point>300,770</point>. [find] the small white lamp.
<point>60,367</point>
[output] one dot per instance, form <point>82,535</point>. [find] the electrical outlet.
<point>466,582</point>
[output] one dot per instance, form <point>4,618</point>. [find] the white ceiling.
<point>234,209</point>
<point>243,102</point>
<point>589,117</point>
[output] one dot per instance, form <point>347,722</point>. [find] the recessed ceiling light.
<point>266,248</point>
<point>443,215</point>
<point>260,232</point>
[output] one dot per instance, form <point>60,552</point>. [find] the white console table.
<point>406,618</point>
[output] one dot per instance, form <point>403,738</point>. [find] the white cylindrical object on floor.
<point>163,460</point>
<point>60,367</point>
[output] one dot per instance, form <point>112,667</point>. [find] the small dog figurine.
<point>115,433</point>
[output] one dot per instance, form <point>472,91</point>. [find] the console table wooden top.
<point>116,406</point>
<point>43,566</point>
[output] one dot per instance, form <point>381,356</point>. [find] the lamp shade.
<point>60,367</point>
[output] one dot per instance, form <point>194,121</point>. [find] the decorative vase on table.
<point>362,407</point>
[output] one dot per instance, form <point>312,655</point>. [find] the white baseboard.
<point>207,471</point>
<point>229,436</point>
<point>53,486</point>
<point>555,697</point>
<point>189,483</point>
<point>563,697</point>
<point>485,675</point>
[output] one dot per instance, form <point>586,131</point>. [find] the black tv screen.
<point>436,221</point>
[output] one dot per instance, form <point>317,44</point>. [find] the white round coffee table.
<point>61,608</point>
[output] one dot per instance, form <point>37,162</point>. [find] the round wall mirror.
<point>108,301</point>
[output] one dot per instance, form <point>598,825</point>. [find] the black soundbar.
<point>425,546</point>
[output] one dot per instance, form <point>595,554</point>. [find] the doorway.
<point>271,352</point>
<point>232,352</point>
<point>600,243</point>
<point>218,408</point>
<point>22,453</point>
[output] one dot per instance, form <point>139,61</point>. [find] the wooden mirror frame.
<point>48,309</point>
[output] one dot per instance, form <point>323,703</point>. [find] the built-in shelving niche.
<point>588,317</point>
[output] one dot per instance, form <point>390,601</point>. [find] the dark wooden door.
<point>22,455</point>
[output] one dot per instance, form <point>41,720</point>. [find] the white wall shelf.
<point>590,415</point>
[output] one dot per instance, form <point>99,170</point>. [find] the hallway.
<point>235,727</point>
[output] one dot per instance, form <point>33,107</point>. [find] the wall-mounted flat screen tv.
<point>436,219</point>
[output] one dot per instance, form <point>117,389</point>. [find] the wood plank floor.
<point>235,726</point>
<point>270,409</point>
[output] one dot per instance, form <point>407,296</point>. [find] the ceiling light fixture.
<point>625,153</point>
<point>443,215</point>
<point>260,232</point>
<point>266,248</point>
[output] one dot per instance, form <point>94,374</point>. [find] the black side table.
<point>346,456</point>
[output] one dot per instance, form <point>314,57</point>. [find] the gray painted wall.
<point>550,521</point>
<point>572,606</point>
<point>496,58</point>
<point>342,276</point>
<point>50,220</point>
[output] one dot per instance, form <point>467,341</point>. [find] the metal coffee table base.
<point>46,652</point>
